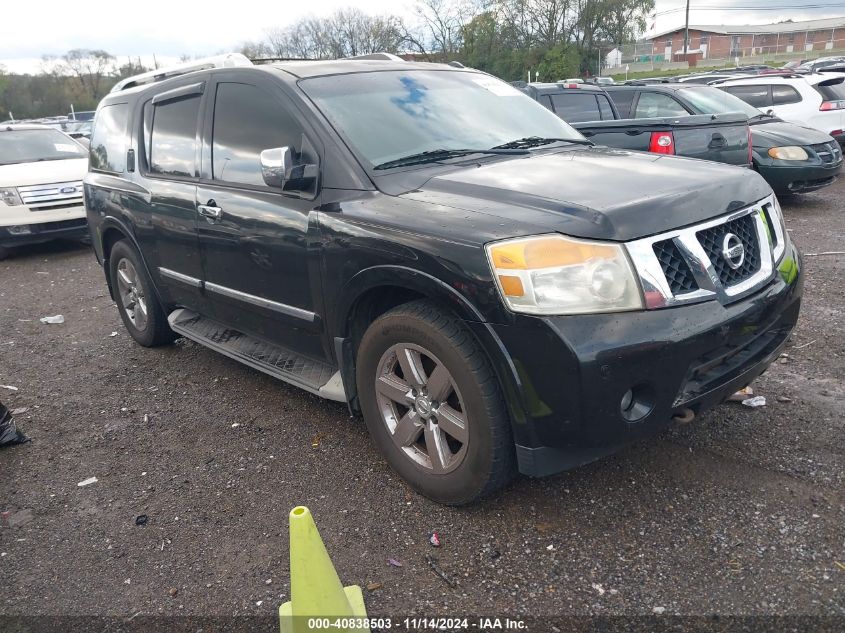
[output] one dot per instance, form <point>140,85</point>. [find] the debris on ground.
<point>784,399</point>
<point>659,610</point>
<point>805,344</point>
<point>53,320</point>
<point>141,519</point>
<point>87,482</point>
<point>598,588</point>
<point>317,440</point>
<point>9,387</point>
<point>394,563</point>
<point>20,411</point>
<point>784,358</point>
<point>742,394</point>
<point>756,401</point>
<point>9,432</point>
<point>490,551</point>
<point>434,539</point>
<point>435,567</point>
<point>173,591</point>
<point>373,586</point>
<point>113,334</point>
<point>16,519</point>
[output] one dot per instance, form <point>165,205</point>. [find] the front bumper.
<point>23,234</point>
<point>797,178</point>
<point>574,371</point>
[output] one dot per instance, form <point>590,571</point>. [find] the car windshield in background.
<point>391,115</point>
<point>715,101</point>
<point>30,146</point>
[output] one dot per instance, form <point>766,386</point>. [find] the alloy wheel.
<point>131,294</point>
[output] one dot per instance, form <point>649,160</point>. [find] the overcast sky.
<point>170,28</point>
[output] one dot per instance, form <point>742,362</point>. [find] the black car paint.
<point>722,138</point>
<point>767,132</point>
<point>368,239</point>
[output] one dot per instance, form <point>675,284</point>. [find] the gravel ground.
<point>740,512</point>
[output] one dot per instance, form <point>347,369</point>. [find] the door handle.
<point>210,212</point>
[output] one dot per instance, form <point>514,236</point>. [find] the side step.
<point>319,378</point>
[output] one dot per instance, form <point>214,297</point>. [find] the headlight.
<point>553,274</point>
<point>788,153</point>
<point>777,224</point>
<point>10,197</point>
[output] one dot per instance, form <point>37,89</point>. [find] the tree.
<point>90,68</point>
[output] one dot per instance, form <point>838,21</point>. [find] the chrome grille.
<point>675,267</point>
<point>713,239</point>
<point>828,152</point>
<point>52,196</point>
<point>692,264</point>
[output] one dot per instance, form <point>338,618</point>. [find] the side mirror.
<point>278,169</point>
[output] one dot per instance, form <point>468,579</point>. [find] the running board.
<point>319,378</point>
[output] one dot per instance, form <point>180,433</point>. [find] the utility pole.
<point>686,33</point>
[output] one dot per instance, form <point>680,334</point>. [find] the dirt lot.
<point>741,512</point>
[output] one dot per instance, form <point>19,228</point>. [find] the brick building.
<point>721,41</point>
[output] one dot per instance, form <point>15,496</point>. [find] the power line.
<point>781,7</point>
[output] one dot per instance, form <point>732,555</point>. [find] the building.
<point>722,42</point>
<point>613,59</point>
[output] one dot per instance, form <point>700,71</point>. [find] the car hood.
<point>42,173</point>
<point>781,133</point>
<point>597,193</point>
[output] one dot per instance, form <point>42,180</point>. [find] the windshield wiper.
<point>761,115</point>
<point>537,141</point>
<point>434,155</point>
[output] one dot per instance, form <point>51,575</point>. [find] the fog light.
<point>637,402</point>
<point>23,229</point>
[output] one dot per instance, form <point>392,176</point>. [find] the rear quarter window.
<point>784,95</point>
<point>832,89</point>
<point>758,96</point>
<point>108,140</point>
<point>576,107</point>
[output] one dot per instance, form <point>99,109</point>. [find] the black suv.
<point>439,251</point>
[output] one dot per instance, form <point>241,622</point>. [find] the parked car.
<point>814,65</point>
<point>441,253</point>
<point>600,81</point>
<point>662,126</point>
<point>792,158</point>
<point>41,172</point>
<point>816,100</point>
<point>83,115</point>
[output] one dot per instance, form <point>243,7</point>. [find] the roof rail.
<point>385,57</point>
<point>229,60</point>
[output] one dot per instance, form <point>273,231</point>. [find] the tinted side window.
<point>654,104</point>
<point>782,95</point>
<point>574,107</point>
<point>623,99</point>
<point>758,96</point>
<point>832,89</point>
<point>173,138</point>
<point>605,108</point>
<point>108,142</point>
<point>247,121</point>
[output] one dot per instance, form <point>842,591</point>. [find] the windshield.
<point>715,101</point>
<point>393,114</point>
<point>30,146</point>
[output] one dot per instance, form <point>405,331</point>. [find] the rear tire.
<point>433,404</point>
<point>137,303</point>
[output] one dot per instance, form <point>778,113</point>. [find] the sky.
<point>171,28</point>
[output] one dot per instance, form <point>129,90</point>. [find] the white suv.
<point>816,100</point>
<point>41,172</point>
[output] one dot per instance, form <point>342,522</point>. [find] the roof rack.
<point>229,60</point>
<point>385,57</point>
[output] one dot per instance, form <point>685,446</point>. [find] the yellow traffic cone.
<point>316,592</point>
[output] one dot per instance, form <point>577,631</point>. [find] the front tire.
<point>433,404</point>
<point>137,303</point>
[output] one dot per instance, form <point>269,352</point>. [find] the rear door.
<point>255,241</point>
